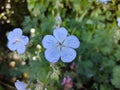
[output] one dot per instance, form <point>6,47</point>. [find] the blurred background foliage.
<point>97,65</point>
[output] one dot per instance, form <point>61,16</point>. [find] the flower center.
<point>60,45</point>
<point>17,41</point>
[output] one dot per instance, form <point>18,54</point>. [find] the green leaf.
<point>116,77</point>
<point>1,88</point>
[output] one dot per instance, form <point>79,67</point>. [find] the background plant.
<point>97,61</point>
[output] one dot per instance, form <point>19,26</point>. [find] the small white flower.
<point>20,85</point>
<point>118,20</point>
<point>60,45</point>
<point>103,1</point>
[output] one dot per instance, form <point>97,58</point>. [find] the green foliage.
<point>37,72</point>
<point>95,25</point>
<point>116,76</point>
<point>92,22</point>
<point>1,88</point>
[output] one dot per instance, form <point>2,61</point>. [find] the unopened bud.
<point>34,57</point>
<point>38,46</point>
<point>12,64</point>
<point>32,30</point>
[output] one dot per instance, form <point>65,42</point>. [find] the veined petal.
<point>10,36</point>
<point>72,41</point>
<point>67,54</point>
<point>49,41</point>
<point>20,85</point>
<point>20,48</point>
<point>11,46</point>
<point>25,40</point>
<point>52,54</point>
<point>60,34</point>
<point>17,32</point>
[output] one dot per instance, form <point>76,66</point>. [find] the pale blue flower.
<point>118,20</point>
<point>60,46</point>
<point>103,1</point>
<point>17,41</point>
<point>20,85</point>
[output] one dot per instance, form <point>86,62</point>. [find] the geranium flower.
<point>103,1</point>
<point>20,85</point>
<point>67,83</point>
<point>60,45</point>
<point>118,20</point>
<point>17,41</point>
<point>66,80</point>
<point>73,66</point>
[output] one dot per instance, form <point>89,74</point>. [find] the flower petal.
<point>52,54</point>
<point>20,85</point>
<point>49,41</point>
<point>67,54</point>
<point>10,36</point>
<point>72,41</point>
<point>25,40</point>
<point>11,46</point>
<point>64,81</point>
<point>20,48</point>
<point>60,34</point>
<point>103,1</point>
<point>118,19</point>
<point>17,32</point>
